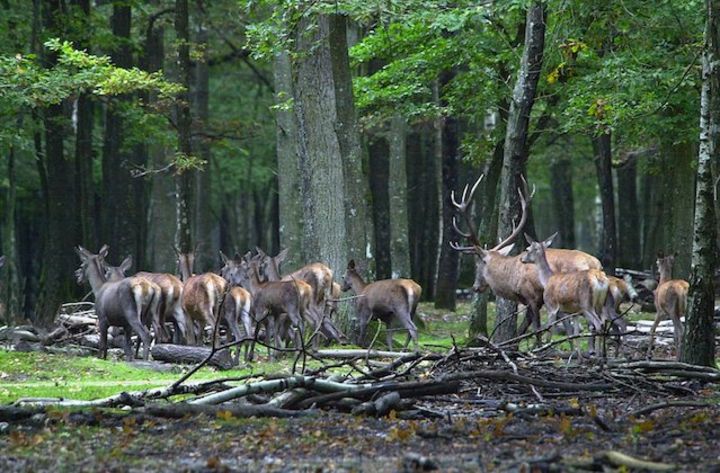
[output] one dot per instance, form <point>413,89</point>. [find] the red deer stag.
<point>201,297</point>
<point>126,302</point>
<point>277,305</point>
<point>670,301</point>
<point>318,318</point>
<point>394,301</point>
<point>506,275</point>
<point>583,292</point>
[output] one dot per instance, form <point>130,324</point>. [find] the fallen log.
<point>359,353</point>
<point>76,321</point>
<point>176,411</point>
<point>190,355</point>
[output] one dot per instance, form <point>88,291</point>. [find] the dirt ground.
<point>470,437</point>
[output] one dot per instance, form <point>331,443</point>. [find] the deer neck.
<point>255,283</point>
<point>544,271</point>
<point>95,277</point>
<point>185,270</point>
<point>273,272</point>
<point>357,283</point>
<point>665,275</point>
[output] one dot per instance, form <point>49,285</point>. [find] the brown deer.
<point>394,301</point>
<point>237,312</point>
<point>126,302</point>
<point>171,289</point>
<point>506,275</point>
<point>670,301</point>
<point>318,275</point>
<point>583,292</point>
<point>201,297</point>
<point>277,305</point>
<point>317,315</point>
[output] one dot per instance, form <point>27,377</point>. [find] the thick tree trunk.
<point>448,263</point>
<point>184,182</point>
<point>699,339</point>
<point>290,203</point>
<point>358,222</point>
<point>563,204</point>
<point>398,189</point>
<point>602,148</point>
<point>10,287</point>
<point>628,216</point>
<point>515,157</point>
<point>205,235</point>
<point>378,150</point>
<point>119,207</point>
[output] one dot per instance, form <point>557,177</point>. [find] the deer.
<point>277,305</point>
<point>315,313</point>
<point>506,275</point>
<point>670,301</point>
<point>124,302</point>
<point>201,297</point>
<point>171,289</point>
<point>394,301</point>
<point>583,291</point>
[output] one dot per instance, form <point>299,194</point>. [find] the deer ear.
<point>528,239</point>
<point>351,264</point>
<point>104,251</point>
<point>507,250</point>
<point>282,255</point>
<point>81,252</point>
<point>223,258</point>
<point>125,265</point>
<point>260,252</point>
<point>548,241</point>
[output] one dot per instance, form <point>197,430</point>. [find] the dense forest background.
<point>337,130</point>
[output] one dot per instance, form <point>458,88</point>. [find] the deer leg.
<point>128,343</point>
<point>658,317</point>
<point>102,343</point>
<point>140,329</point>
<point>678,333</point>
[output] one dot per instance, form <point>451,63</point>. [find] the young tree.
<point>515,152</point>
<point>699,337</point>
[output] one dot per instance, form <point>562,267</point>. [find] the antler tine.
<point>457,229</point>
<point>524,200</point>
<point>464,249</point>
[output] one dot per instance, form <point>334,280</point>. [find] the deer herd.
<point>258,304</point>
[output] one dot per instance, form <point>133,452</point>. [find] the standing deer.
<point>394,301</point>
<point>318,315</point>
<point>171,289</point>
<point>237,310</point>
<point>585,291</point>
<point>126,302</point>
<point>278,305</point>
<point>670,301</point>
<point>506,275</point>
<point>201,297</point>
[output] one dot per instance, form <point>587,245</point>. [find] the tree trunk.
<point>602,148</point>
<point>561,187</point>
<point>119,206</point>
<point>515,157</point>
<point>290,203</point>
<point>699,339</point>
<point>358,222</point>
<point>10,287</point>
<point>628,216</point>
<point>379,187</point>
<point>398,190</point>
<point>448,263</point>
<point>184,182</point>
<point>207,249</point>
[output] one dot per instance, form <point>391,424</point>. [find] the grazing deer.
<point>201,297</point>
<point>584,291</point>
<point>394,301</point>
<point>277,305</point>
<point>506,275</point>
<point>670,301</point>
<point>171,289</point>
<point>125,302</point>
<point>318,318</point>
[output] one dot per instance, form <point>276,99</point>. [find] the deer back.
<point>391,295</point>
<point>577,290</point>
<point>200,292</point>
<point>170,286</point>
<point>318,275</point>
<point>671,296</point>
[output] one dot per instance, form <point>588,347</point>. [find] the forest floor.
<point>473,431</point>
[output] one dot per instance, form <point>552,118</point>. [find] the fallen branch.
<point>622,460</point>
<point>359,353</point>
<point>175,411</point>
<point>192,354</point>
<point>664,405</point>
<point>512,377</point>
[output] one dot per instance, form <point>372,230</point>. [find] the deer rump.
<point>390,300</point>
<point>566,291</point>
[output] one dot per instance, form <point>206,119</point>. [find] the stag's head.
<point>90,262</point>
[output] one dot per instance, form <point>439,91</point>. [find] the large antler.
<point>525,198</point>
<point>463,208</point>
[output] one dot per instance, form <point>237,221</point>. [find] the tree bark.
<point>290,203</point>
<point>184,179</point>
<point>448,264</point>
<point>563,204</point>
<point>699,338</point>
<point>602,148</point>
<point>516,153</point>
<point>628,216</point>
<point>399,243</point>
<point>378,151</point>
